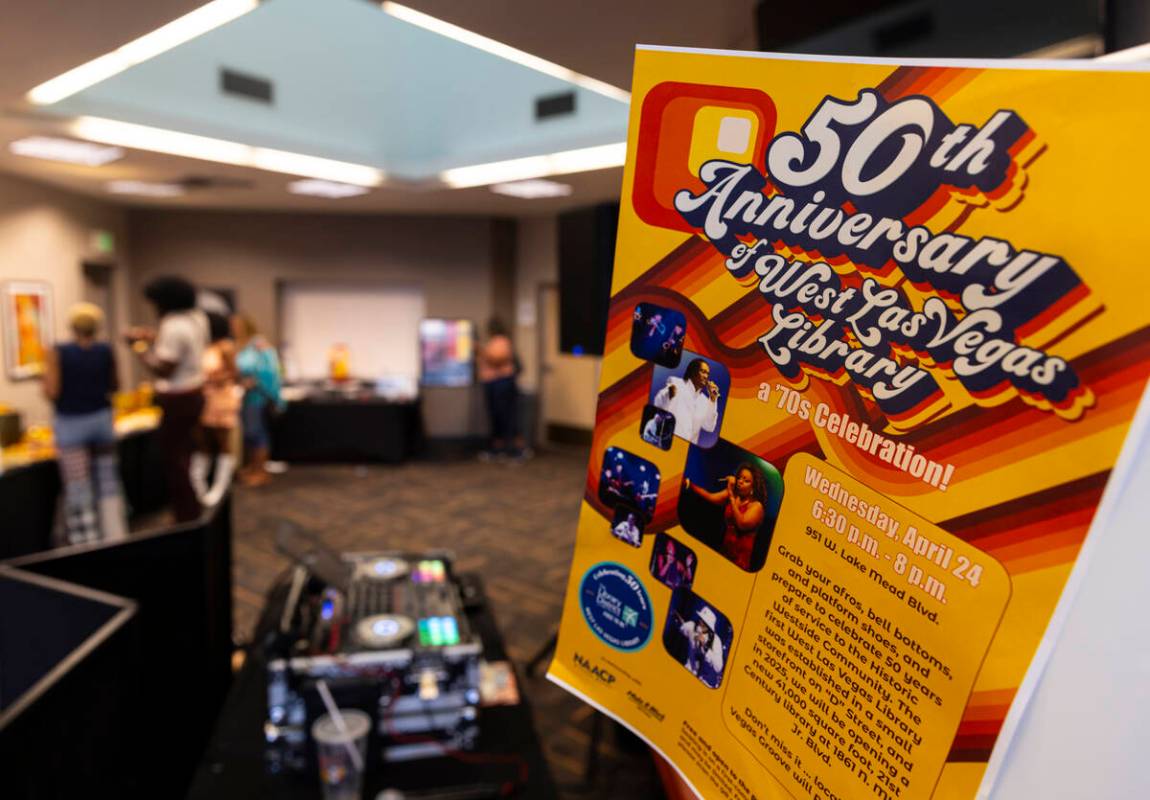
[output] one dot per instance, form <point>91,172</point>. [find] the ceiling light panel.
<point>68,151</point>
<point>329,189</point>
<point>315,167</point>
<point>533,189</point>
<point>519,169</point>
<point>496,48</point>
<point>159,140</point>
<point>150,45</point>
<point>145,188</point>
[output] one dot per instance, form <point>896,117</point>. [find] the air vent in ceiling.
<point>249,87</point>
<point>554,105</point>
<point>200,182</point>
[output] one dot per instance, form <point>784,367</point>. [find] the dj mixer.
<point>388,633</point>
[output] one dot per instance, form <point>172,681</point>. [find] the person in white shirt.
<point>703,647</point>
<point>692,399</point>
<point>658,429</point>
<point>174,354</point>
<point>628,530</point>
<point>651,430</point>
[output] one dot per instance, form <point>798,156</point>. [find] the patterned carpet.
<point>513,524</point>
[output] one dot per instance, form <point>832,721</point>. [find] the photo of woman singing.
<point>744,501</point>
<point>729,500</point>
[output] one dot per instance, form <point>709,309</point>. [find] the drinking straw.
<point>333,712</point>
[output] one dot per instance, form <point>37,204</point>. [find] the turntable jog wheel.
<point>383,630</point>
<point>384,568</point>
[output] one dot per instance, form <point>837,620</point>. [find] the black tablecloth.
<point>347,430</point>
<point>30,493</point>
<point>233,766</point>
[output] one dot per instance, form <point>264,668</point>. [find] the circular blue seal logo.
<point>616,606</point>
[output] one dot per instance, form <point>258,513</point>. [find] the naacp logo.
<point>600,674</point>
<point>616,606</point>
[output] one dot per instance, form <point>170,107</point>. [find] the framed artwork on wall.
<point>27,320</point>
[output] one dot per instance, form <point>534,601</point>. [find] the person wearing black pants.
<point>177,439</point>
<point>173,353</point>
<point>498,368</point>
<point>503,410</point>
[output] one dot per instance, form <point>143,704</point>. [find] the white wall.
<point>45,235</point>
<point>537,264</point>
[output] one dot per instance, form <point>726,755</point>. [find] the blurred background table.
<point>30,483</point>
<point>349,424</point>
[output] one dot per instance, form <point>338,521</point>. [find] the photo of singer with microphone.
<point>696,395</point>
<point>729,500</point>
<point>744,502</point>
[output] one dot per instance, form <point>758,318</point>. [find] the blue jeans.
<point>255,425</point>
<point>85,430</point>
<point>502,397</point>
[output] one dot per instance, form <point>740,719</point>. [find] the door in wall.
<point>98,291</point>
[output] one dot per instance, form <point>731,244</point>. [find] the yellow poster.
<point>877,334</point>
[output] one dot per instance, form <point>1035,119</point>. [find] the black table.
<point>177,667</point>
<point>233,766</point>
<point>333,429</point>
<point>29,494</point>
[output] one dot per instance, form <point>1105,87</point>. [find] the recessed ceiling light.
<point>164,38</point>
<point>318,188</point>
<point>67,150</point>
<point>159,140</point>
<point>533,189</point>
<point>518,169</point>
<point>145,188</point>
<point>497,48</point>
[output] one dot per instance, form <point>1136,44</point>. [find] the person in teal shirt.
<point>259,369</point>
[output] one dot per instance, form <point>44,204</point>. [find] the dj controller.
<point>388,633</point>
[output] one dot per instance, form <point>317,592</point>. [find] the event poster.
<point>877,334</point>
<point>446,352</point>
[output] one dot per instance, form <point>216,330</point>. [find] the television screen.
<point>446,351</point>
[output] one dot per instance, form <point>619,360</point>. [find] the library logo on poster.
<point>616,606</point>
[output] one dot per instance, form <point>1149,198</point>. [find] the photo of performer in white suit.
<point>704,649</point>
<point>692,399</point>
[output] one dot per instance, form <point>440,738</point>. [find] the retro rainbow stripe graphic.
<point>1034,527</point>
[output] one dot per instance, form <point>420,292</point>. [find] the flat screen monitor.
<point>447,352</point>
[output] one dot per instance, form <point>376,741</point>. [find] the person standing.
<point>744,503</point>
<point>222,394</point>
<point>693,400</point>
<point>80,378</point>
<point>667,567</point>
<point>498,368</point>
<point>259,371</point>
<point>628,530</point>
<point>174,354</point>
<point>704,648</point>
